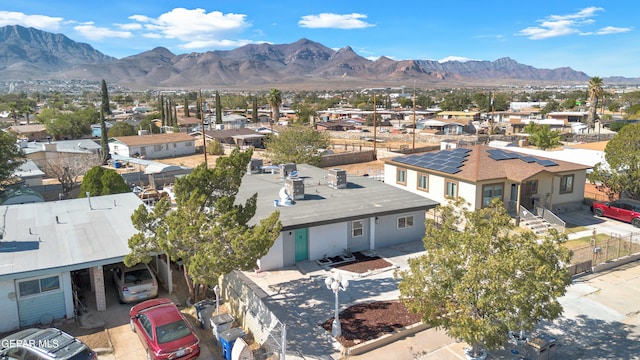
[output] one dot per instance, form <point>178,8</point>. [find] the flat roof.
<point>363,197</point>
<point>65,235</point>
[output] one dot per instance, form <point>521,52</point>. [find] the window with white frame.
<point>405,222</point>
<point>38,286</point>
<point>401,176</point>
<point>357,228</point>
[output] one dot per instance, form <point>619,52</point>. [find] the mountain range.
<point>32,54</point>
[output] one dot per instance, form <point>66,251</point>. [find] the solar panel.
<point>546,163</point>
<point>528,159</point>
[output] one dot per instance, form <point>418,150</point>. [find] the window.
<point>38,286</point>
<point>405,222</point>
<point>423,182</point>
<point>451,189</point>
<point>157,148</point>
<point>146,325</point>
<point>357,228</point>
<point>490,192</point>
<point>533,186</point>
<point>566,184</point>
<point>401,176</point>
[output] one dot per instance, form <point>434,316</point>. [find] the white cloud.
<point>41,22</point>
<point>196,28</point>
<point>561,25</point>
<point>130,26</point>
<point>612,30</point>
<point>455,58</point>
<point>335,21</point>
<point>93,32</point>
<point>199,44</point>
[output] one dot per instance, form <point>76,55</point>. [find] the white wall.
<point>327,239</point>
<point>275,257</point>
<point>9,306</point>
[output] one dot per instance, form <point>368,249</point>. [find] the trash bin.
<point>220,323</point>
<point>227,339</point>
<point>204,309</point>
<point>541,347</point>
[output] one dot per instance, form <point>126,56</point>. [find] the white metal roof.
<point>65,235</point>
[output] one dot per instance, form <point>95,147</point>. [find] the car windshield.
<point>172,331</point>
<point>135,276</point>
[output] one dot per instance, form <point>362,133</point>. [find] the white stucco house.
<point>155,146</point>
<point>481,173</point>
<point>331,211</point>
<point>43,244</point>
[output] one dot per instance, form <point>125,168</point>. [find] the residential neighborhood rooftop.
<point>362,197</point>
<point>76,234</point>
<point>479,163</point>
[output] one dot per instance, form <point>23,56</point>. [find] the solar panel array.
<point>448,161</point>
<point>497,154</point>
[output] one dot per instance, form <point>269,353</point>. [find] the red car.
<point>624,210</point>
<point>163,330</point>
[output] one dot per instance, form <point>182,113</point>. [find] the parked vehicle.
<point>135,283</point>
<point>164,332</point>
<point>626,210</point>
<point>45,344</point>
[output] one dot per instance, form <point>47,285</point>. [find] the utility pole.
<point>375,132</point>
<point>204,138</point>
<point>413,145</point>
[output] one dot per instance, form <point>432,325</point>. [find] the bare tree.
<point>67,168</point>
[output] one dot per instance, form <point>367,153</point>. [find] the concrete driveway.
<point>125,344</point>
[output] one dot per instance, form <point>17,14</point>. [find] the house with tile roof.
<point>154,146</point>
<point>480,173</point>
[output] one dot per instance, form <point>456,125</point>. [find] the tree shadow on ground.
<point>587,338</point>
<point>304,304</point>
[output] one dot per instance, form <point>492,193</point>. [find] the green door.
<point>302,244</point>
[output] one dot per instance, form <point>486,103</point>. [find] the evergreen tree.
<point>186,107</point>
<point>478,279</point>
<point>218,108</point>
<point>210,243</point>
<point>254,112</point>
<point>104,110</point>
<point>11,157</point>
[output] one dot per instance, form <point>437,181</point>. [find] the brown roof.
<point>153,139</point>
<point>480,167</point>
<point>20,129</point>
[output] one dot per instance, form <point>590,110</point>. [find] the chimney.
<point>287,169</point>
<point>337,178</point>
<point>295,188</point>
<point>254,166</point>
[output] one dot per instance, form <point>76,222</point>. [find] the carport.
<point>43,244</point>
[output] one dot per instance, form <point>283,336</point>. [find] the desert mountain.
<point>27,53</point>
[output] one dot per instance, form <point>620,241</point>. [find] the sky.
<point>599,38</point>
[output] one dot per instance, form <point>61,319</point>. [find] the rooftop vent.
<point>337,178</point>
<point>294,188</point>
<point>254,166</point>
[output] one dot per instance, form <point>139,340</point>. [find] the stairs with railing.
<point>541,221</point>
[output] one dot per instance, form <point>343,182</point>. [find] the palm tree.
<point>275,100</point>
<point>27,110</point>
<point>595,93</point>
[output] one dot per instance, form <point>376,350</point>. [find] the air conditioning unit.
<point>337,178</point>
<point>254,166</point>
